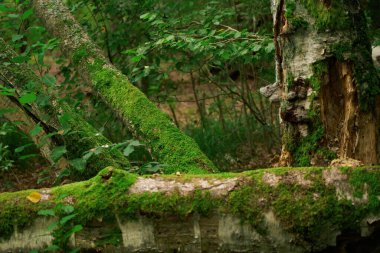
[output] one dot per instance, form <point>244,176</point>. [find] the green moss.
<point>295,22</point>
<point>305,209</point>
<point>304,148</point>
<point>248,203</point>
<point>308,146</point>
<point>365,181</point>
<point>290,80</point>
<point>298,23</point>
<point>334,17</point>
<point>167,143</point>
<point>113,238</point>
<point>290,8</point>
<point>358,53</point>
<point>80,54</point>
<point>99,197</point>
<point>320,70</point>
<point>81,138</point>
<point>311,210</point>
<point>13,211</point>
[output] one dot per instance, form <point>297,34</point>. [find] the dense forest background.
<point>202,62</point>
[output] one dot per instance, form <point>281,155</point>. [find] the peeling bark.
<point>166,142</point>
<point>329,86</point>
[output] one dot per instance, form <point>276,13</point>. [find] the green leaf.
<point>129,150</point>
<point>58,152</point>
<point>27,14</point>
<point>79,164</point>
<point>137,58</point>
<point>75,229</point>
<point>19,59</point>
<point>20,149</point>
<point>237,35</point>
<point>36,130</point>
<point>67,218</point>
<point>27,98</point>
<point>6,91</point>
<point>145,15</point>
<point>53,247</point>
<point>67,208</point>
<point>88,155</point>
<point>170,38</point>
<point>269,48</point>
<point>49,80</point>
<point>257,47</point>
<point>46,212</point>
<point>16,37</point>
<point>24,157</point>
<point>13,15</point>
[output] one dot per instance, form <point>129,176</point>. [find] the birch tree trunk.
<point>326,82</point>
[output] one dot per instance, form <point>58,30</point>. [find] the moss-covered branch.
<point>166,142</point>
<point>287,210</point>
<point>80,136</point>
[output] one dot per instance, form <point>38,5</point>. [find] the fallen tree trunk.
<point>81,137</point>
<point>274,210</point>
<point>165,141</point>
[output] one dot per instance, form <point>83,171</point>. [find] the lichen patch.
<point>333,176</point>
<point>291,177</point>
<point>216,187</point>
<point>271,179</point>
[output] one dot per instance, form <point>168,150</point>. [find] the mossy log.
<point>269,210</point>
<point>79,137</point>
<point>165,141</point>
<point>326,82</point>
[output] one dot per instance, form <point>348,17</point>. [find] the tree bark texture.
<point>165,141</point>
<point>326,82</point>
<point>272,210</point>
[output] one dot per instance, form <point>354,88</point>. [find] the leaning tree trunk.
<point>326,82</point>
<point>81,136</point>
<point>166,142</point>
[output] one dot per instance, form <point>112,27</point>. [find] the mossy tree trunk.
<point>326,82</point>
<point>165,141</point>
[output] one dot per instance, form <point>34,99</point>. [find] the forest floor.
<point>36,175</point>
